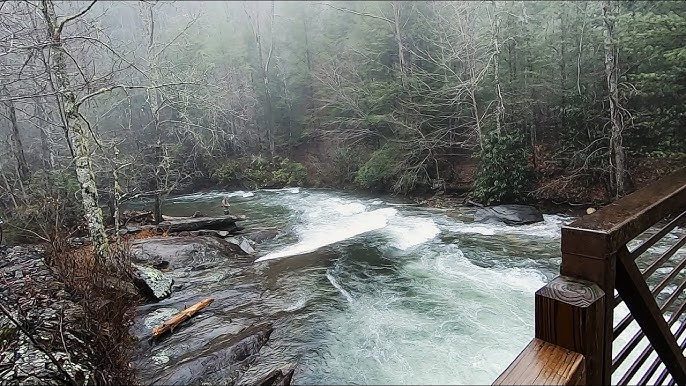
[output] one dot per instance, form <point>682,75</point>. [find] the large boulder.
<point>509,214</point>
<point>260,235</point>
<point>152,282</point>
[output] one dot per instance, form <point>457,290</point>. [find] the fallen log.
<point>224,225</point>
<point>180,317</point>
<point>196,223</point>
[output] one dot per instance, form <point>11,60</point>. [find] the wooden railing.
<point>610,260</point>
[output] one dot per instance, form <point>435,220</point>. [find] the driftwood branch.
<point>180,317</point>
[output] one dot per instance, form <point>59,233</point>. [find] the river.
<point>371,290</point>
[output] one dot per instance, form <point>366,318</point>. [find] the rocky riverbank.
<point>44,338</point>
<point>49,335</point>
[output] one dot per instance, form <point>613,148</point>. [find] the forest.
<point>575,102</point>
<point>105,104</point>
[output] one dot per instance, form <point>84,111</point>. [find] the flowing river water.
<point>367,290</point>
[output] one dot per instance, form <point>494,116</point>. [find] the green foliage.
<point>227,172</point>
<point>653,40</point>
<point>49,211</point>
<point>259,172</point>
<point>379,171</point>
<point>345,164</point>
<point>290,173</point>
<point>505,173</point>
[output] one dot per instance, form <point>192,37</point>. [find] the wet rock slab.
<point>220,343</point>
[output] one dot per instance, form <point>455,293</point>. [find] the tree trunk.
<point>471,60</point>
<point>157,212</point>
<point>180,317</point>
<point>398,39</point>
<point>500,107</point>
<point>264,73</point>
<point>78,136</point>
<point>47,156</point>
<point>15,139</point>
<point>617,156</point>
<point>155,104</point>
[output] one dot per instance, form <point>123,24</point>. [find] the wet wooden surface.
<point>569,314</point>
<point>629,216</point>
<point>543,363</point>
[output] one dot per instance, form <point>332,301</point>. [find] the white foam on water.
<point>326,219</point>
<point>482,229</point>
<point>349,208</point>
<point>203,196</point>
<point>319,235</point>
<point>406,232</point>
<point>450,330</point>
<point>340,289</point>
<point>208,196</point>
<point>298,305</point>
<point>295,190</point>
<point>548,228</point>
<point>448,260</point>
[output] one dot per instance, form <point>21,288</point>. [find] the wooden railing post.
<point>574,312</point>
<point>570,314</point>
<point>590,256</point>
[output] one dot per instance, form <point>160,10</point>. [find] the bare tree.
<point>263,67</point>
<point>495,31</point>
<point>15,139</point>
<point>77,126</point>
<point>617,154</point>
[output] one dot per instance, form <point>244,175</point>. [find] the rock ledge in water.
<point>153,281</point>
<point>514,214</point>
<point>241,245</point>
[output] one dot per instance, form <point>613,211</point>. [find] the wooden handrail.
<point>575,310</point>
<point>631,215</point>
<point>543,363</point>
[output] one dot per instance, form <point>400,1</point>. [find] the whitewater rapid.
<point>370,290</point>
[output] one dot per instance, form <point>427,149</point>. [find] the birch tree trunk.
<point>617,155</point>
<point>77,135</point>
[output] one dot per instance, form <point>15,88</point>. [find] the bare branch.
<point>70,18</point>
<point>123,86</point>
<point>359,13</point>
